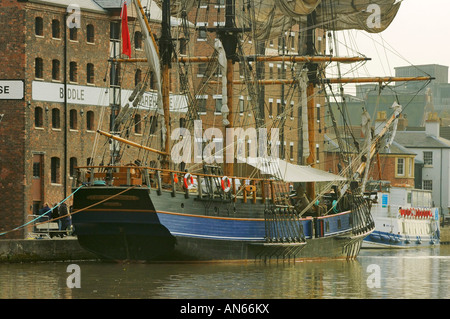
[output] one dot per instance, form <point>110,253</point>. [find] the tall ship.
<point>200,196</point>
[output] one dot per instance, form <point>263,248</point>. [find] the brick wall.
<point>12,127</point>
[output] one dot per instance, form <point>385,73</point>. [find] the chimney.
<point>432,124</point>
<point>402,122</point>
<point>380,121</point>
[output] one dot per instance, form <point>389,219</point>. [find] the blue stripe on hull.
<point>214,228</point>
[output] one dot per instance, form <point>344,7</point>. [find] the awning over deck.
<point>288,172</point>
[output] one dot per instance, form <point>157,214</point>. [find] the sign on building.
<point>12,90</point>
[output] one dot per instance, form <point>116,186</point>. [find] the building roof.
<point>331,145</point>
<point>419,139</point>
<point>109,4</point>
<point>445,132</point>
<point>89,5</point>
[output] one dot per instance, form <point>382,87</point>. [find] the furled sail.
<point>274,17</point>
<point>368,15</point>
<point>270,18</point>
<point>153,61</point>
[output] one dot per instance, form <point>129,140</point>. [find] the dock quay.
<point>68,248</point>
<point>37,250</point>
<point>445,235</point>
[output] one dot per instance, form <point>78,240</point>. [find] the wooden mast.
<point>166,57</point>
<point>286,58</point>
<point>229,41</point>
<point>313,80</point>
<point>342,80</point>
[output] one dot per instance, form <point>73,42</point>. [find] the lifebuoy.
<point>188,181</point>
<point>226,184</point>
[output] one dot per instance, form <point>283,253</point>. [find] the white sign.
<point>178,102</point>
<point>76,94</point>
<point>12,90</point>
<point>89,95</point>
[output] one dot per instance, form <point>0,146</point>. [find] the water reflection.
<point>403,274</point>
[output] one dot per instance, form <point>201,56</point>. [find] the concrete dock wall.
<point>33,250</point>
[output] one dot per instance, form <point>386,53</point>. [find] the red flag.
<point>126,42</point>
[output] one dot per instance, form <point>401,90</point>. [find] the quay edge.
<point>445,235</point>
<point>37,250</point>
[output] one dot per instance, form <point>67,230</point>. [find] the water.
<point>385,274</point>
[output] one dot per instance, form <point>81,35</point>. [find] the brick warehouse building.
<point>46,133</point>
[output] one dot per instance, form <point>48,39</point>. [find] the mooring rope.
<point>69,214</point>
<point>46,213</point>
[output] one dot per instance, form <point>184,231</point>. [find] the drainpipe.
<point>440,186</point>
<point>65,107</point>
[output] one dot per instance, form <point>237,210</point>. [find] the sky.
<point>418,35</point>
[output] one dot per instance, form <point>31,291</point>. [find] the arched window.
<point>73,71</point>
<point>90,73</point>
<point>90,34</point>
<point>90,120</point>
<point>38,117</point>
<point>73,164</point>
<point>39,26</point>
<point>55,173</point>
<point>73,119</point>
<point>39,68</point>
<point>153,124</point>
<point>55,118</point>
<point>137,124</point>
<point>138,40</point>
<point>137,76</point>
<point>73,34</point>
<point>56,70</point>
<point>56,29</point>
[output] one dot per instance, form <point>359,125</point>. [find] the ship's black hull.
<point>145,227</point>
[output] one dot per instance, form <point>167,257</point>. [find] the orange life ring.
<point>188,181</point>
<point>226,184</point>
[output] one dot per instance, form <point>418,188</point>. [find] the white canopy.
<point>292,173</point>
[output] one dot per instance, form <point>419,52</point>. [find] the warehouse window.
<point>137,124</point>
<point>73,34</point>
<point>90,34</point>
<point>38,117</point>
<point>72,165</point>
<point>39,26</point>
<point>55,170</point>
<point>90,121</point>
<point>56,29</point>
<point>73,119</point>
<point>55,118</point>
<point>39,68</point>
<point>138,40</point>
<point>138,77</point>
<point>56,70</point>
<point>73,72</point>
<point>90,73</point>
<point>153,124</point>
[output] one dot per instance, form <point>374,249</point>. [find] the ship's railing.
<point>203,185</point>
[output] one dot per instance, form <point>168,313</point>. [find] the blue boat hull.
<point>143,226</point>
<point>378,239</point>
